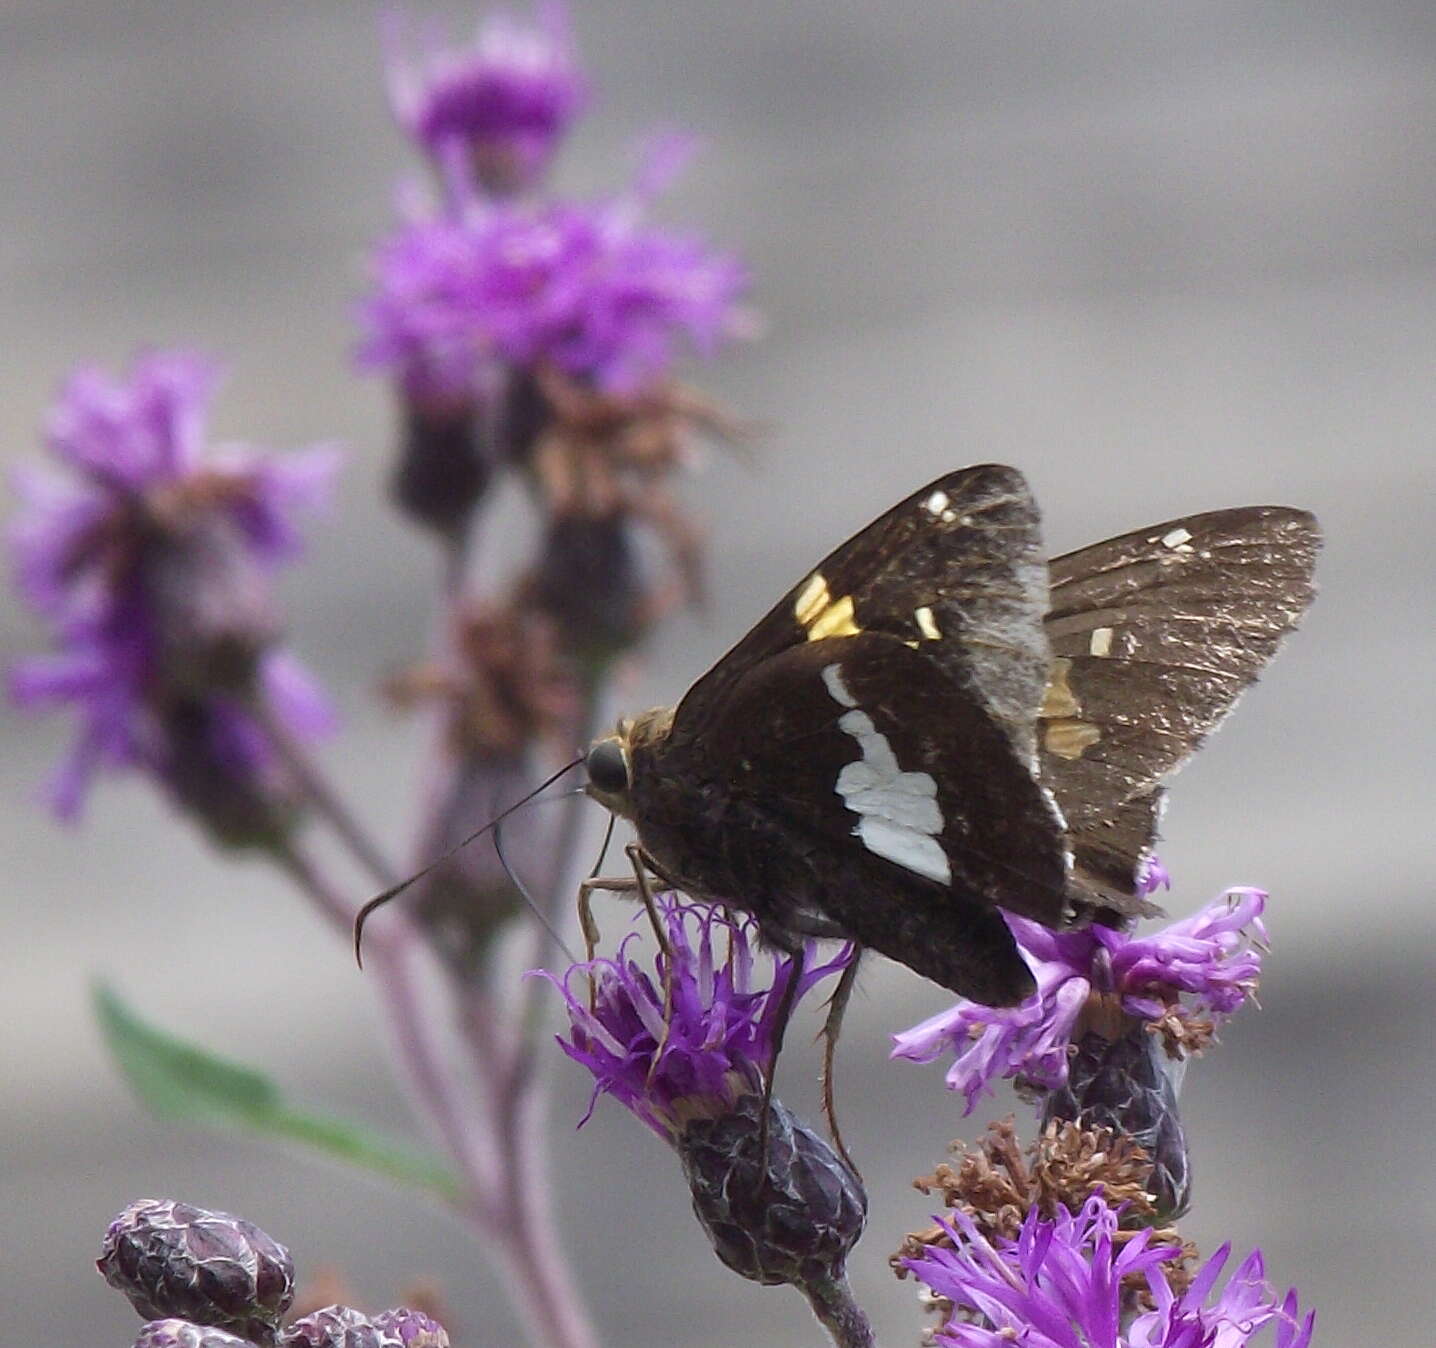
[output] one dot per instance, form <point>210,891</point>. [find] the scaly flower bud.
<point>183,1334</point>
<point>335,1327</point>
<point>1128,1084</point>
<point>412,1329</point>
<point>789,1215</point>
<point>176,1261</point>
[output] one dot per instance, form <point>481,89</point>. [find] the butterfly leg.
<point>640,861</point>
<point>588,924</point>
<point>832,1027</point>
<point>786,1001</point>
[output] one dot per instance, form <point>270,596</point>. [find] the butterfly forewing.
<point>956,569</point>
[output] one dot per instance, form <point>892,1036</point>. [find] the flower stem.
<point>837,1312</point>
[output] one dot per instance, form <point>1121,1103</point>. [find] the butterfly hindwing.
<point>1154,637</point>
<point>956,570</point>
<point>916,818</point>
<point>863,743</point>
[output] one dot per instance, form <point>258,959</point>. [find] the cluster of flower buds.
<point>206,1279</point>
<point>151,558</point>
<point>688,1048</point>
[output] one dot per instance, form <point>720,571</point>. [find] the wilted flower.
<point>497,108</point>
<point>336,1327</point>
<point>1176,982</point>
<point>693,1038</point>
<point>590,289</point>
<point>151,561</point>
<point>174,1260</point>
<point>1060,1283</point>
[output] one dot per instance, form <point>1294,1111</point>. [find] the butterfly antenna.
<point>393,892</point>
<point>528,898</point>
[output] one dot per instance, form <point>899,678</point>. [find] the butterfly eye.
<point>607,767</point>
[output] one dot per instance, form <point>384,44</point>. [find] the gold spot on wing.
<point>820,615</point>
<point>812,599</point>
<point>927,624</point>
<point>1069,738</point>
<point>1058,701</point>
<point>836,620</point>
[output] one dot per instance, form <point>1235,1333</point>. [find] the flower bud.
<point>589,581</point>
<point>789,1216</point>
<point>174,1260</point>
<point>443,469</point>
<point>412,1329</point>
<point>335,1327</point>
<point>1129,1085</point>
<point>183,1334</point>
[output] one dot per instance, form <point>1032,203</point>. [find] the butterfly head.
<point>609,761</point>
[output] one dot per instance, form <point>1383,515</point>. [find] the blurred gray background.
<point>1163,257</point>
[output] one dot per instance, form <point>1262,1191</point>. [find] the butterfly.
<point>936,726</point>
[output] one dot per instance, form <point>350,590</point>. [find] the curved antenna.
<point>523,890</point>
<point>394,891</point>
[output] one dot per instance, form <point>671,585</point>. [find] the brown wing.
<point>1154,637</point>
<point>956,568</point>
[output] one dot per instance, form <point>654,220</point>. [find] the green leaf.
<point>181,1081</point>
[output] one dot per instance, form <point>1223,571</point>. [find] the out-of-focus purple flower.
<point>151,560</point>
<point>714,1046</point>
<point>1177,980</point>
<point>497,108</point>
<point>590,289</point>
<point>1059,1283</point>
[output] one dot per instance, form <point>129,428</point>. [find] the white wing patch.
<point>898,814</point>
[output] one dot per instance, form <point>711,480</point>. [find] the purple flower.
<point>1059,1285</point>
<point>711,1049</point>
<point>151,561</point>
<point>588,288</point>
<point>497,108</point>
<point>1177,980</point>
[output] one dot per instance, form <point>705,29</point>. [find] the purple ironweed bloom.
<point>151,560</point>
<point>1177,981</point>
<point>777,1203</point>
<point>497,108</point>
<point>712,1050</point>
<point>588,288</point>
<point>1060,1283</point>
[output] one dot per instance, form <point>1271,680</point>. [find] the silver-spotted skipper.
<point>936,723</point>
